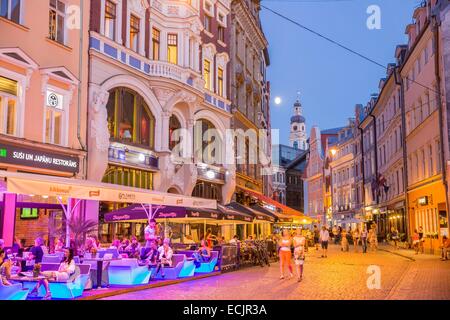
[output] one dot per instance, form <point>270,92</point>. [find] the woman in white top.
<point>164,258</point>
<point>65,270</point>
<point>299,253</point>
<point>285,253</point>
<point>356,235</point>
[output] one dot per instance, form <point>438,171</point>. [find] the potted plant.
<point>37,270</point>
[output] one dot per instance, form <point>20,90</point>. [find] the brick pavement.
<point>343,275</point>
<point>427,278</point>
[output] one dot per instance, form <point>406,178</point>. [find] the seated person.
<point>65,270</point>
<point>222,241</point>
<point>90,245</point>
<point>59,245</point>
<point>235,240</point>
<point>124,245</point>
<point>188,239</point>
<point>150,255</point>
<point>445,247</point>
<point>164,258</point>
<point>115,244</point>
<point>203,254</point>
<point>5,268</point>
<point>16,245</point>
<point>133,248</point>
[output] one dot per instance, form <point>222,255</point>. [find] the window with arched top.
<point>207,190</point>
<point>130,120</point>
<point>207,142</point>
<point>174,124</point>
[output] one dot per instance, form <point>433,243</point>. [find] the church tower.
<point>298,138</point>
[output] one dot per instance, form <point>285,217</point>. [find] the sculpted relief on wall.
<point>98,134</point>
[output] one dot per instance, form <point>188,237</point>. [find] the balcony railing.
<point>149,67</point>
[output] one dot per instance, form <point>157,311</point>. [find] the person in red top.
<point>209,237</point>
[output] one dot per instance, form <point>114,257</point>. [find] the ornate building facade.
<point>342,171</point>
<point>156,67</point>
<point>42,105</point>
<point>250,99</point>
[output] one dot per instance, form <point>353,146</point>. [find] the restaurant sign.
<point>203,214</point>
<point>38,159</point>
<point>238,217</point>
<point>289,220</point>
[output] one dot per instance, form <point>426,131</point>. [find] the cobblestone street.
<point>343,275</point>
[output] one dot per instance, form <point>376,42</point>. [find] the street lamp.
<point>333,151</point>
<point>210,174</point>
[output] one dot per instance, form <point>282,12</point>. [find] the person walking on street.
<point>299,254</point>
<point>394,236</point>
<point>416,241</point>
<point>285,253</point>
<point>335,234</point>
<point>344,241</point>
<point>316,233</point>
<point>324,236</point>
<point>356,236</point>
<point>364,238</point>
<point>421,239</point>
<point>373,241</point>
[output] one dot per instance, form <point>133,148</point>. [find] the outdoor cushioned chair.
<point>128,272</point>
<point>113,252</point>
<point>173,271</point>
<point>207,267</point>
<point>51,258</point>
<point>188,269</point>
<point>72,288</point>
<point>13,292</point>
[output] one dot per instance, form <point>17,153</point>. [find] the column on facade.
<point>186,49</point>
<point>196,58</point>
<point>165,131</point>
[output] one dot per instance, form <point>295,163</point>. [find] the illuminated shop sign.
<point>127,156</point>
<point>38,159</point>
<point>423,201</point>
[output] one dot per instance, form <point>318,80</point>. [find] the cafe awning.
<point>231,214</point>
<point>250,212</point>
<point>137,212</point>
<point>267,215</point>
<point>283,208</point>
<point>64,188</point>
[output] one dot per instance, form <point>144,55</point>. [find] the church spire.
<point>297,136</point>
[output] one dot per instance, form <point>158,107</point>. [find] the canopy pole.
<point>68,213</point>
<point>204,229</point>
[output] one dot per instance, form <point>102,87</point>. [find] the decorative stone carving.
<point>99,120</point>
<point>163,94</point>
<point>139,6</point>
<point>222,59</point>
<point>187,97</point>
<point>248,86</point>
<point>98,134</point>
<point>209,51</point>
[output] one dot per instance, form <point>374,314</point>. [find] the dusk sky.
<point>330,79</point>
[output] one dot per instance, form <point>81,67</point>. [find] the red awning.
<point>284,209</point>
